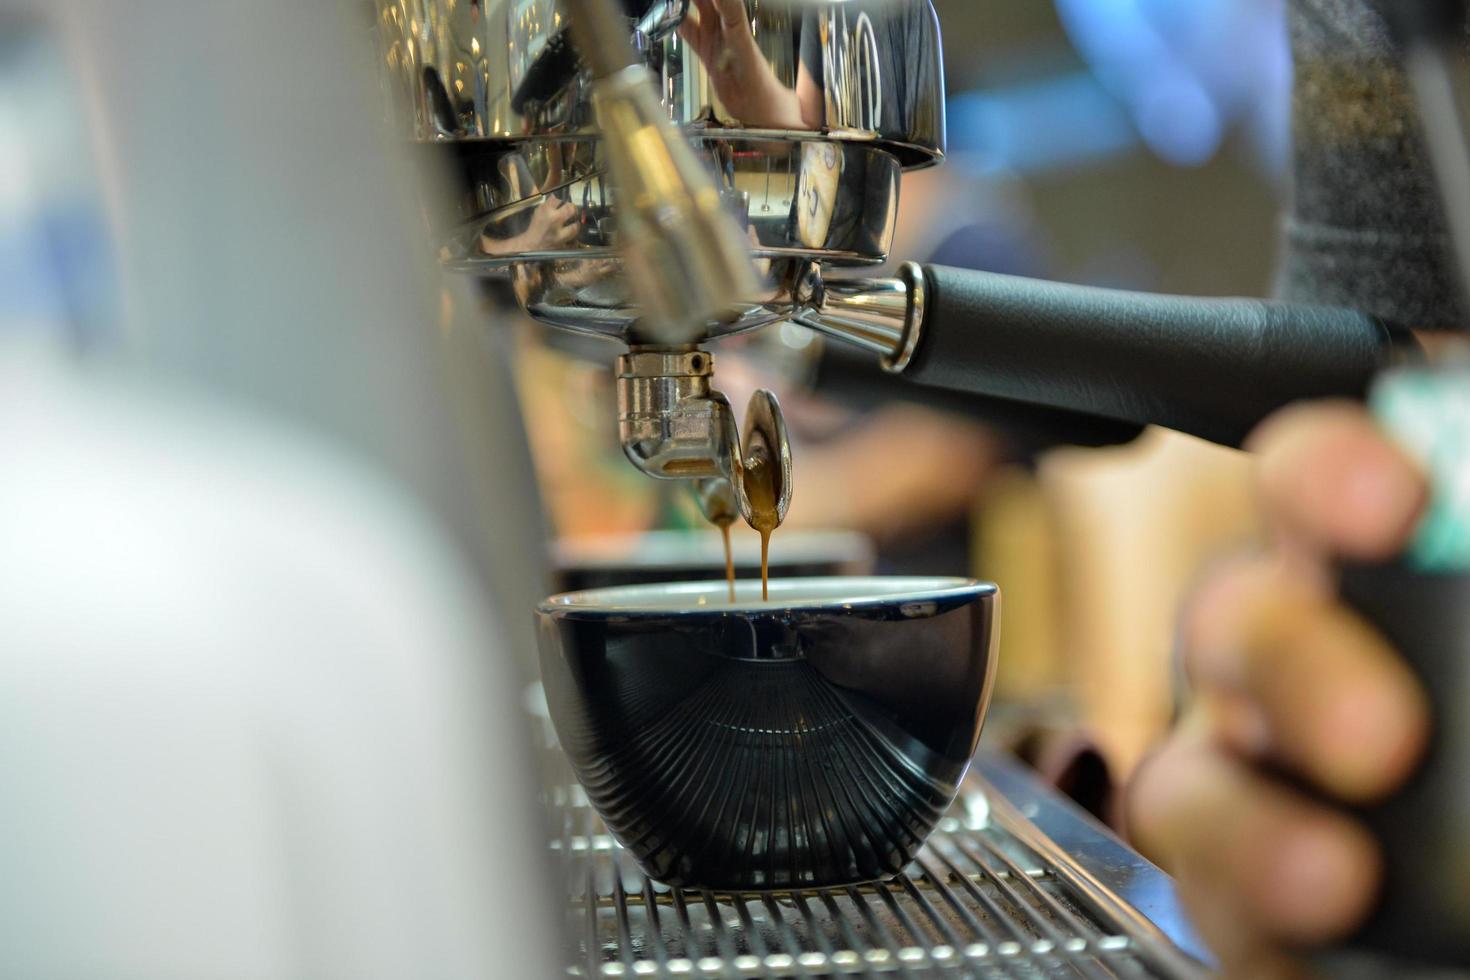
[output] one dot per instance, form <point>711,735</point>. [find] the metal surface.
<point>802,112</point>
<point>990,895</point>
<point>674,426</point>
<point>867,71</point>
<point>883,316</point>
<point>544,213</point>
<point>685,259</point>
<point>574,180</point>
<point>804,197</point>
<point>1081,848</point>
<point>671,422</point>
<point>765,485</point>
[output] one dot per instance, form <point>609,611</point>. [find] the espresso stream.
<point>761,475</point>
<point>760,490</point>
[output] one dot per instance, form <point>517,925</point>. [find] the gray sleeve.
<point>1364,230</point>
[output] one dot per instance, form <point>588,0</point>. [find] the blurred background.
<point>1138,144</point>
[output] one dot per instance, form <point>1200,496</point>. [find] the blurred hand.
<point>1289,682</point>
<point>719,33</point>
<point>553,226</point>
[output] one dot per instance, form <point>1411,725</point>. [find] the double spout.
<point>674,425</point>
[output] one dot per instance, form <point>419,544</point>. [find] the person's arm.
<point>720,35</point>
<point>1288,682</point>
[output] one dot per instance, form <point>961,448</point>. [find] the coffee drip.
<point>761,476</point>
<point>760,487</point>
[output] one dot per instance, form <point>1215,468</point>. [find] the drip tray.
<point>990,895</point>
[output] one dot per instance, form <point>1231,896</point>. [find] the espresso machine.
<point>663,174</point>
<point>667,174</point>
<point>1016,883</point>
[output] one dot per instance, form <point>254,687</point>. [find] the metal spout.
<point>883,316</point>
<point>674,425</point>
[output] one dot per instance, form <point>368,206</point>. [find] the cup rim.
<point>827,594</point>
<point>674,550</point>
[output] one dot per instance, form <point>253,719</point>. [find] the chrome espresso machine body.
<point>663,173</point>
<point>657,200</point>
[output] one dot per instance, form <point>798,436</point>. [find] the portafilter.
<point>664,173</point>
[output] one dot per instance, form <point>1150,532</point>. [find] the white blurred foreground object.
<point>242,722</point>
<point>259,547</point>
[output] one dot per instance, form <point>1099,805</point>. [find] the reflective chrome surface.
<point>812,740</point>
<point>805,112</point>
<point>673,425</point>
<point>546,213</point>
<point>863,70</point>
<point>684,256</point>
<point>883,316</point>
<point>801,116</point>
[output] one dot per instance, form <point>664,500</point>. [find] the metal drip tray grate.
<point>989,896</point>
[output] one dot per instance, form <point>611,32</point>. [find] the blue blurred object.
<point>1187,69</point>
<point>1003,247</point>
<point>57,269</point>
<point>1175,75</point>
<point>1040,126</point>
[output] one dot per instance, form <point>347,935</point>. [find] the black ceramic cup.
<point>811,740</point>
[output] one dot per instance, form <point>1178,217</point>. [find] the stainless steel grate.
<point>989,896</point>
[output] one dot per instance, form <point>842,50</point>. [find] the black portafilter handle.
<point>847,375</point>
<point>1213,368</point>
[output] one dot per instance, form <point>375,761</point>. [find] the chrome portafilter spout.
<point>674,425</point>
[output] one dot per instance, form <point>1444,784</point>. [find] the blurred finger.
<point>1327,696</point>
<point>1258,862</point>
<point>731,13</point>
<point>698,26</point>
<point>1330,476</point>
<point>688,30</point>
<point>1242,954</point>
<point>1251,957</point>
